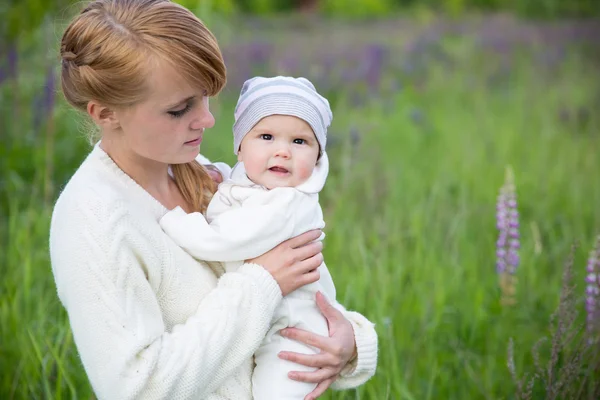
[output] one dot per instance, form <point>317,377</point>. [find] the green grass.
<point>410,211</point>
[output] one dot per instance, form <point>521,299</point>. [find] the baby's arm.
<point>262,222</point>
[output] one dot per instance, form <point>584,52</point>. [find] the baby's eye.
<point>299,141</point>
<point>266,136</point>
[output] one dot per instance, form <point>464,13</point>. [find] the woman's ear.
<point>102,115</point>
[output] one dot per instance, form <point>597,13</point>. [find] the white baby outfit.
<point>243,221</point>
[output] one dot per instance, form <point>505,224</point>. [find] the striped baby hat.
<point>284,95</point>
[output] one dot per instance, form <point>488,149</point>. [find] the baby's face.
<point>279,151</point>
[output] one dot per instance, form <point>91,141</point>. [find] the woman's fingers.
<point>294,263</point>
<point>310,277</point>
<point>320,389</point>
<point>306,337</point>
<point>303,239</point>
<point>331,313</point>
<point>317,376</point>
<point>307,251</point>
<point>319,360</point>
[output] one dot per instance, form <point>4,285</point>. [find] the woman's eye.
<point>180,113</point>
<point>299,141</point>
<point>266,136</point>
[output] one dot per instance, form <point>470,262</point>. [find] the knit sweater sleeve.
<point>102,281</point>
<point>363,367</point>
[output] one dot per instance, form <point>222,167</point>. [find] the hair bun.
<point>69,56</point>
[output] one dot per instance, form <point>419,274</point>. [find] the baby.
<point>279,133</point>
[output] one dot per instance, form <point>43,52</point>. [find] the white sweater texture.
<point>149,321</point>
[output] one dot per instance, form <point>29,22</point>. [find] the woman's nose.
<point>204,118</point>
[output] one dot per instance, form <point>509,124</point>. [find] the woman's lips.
<point>194,142</point>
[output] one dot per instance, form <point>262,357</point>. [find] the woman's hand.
<point>294,262</point>
<point>336,350</point>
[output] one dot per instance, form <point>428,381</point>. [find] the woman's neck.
<point>151,175</point>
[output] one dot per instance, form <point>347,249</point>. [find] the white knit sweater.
<point>149,321</point>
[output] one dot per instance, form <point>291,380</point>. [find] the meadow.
<point>429,115</point>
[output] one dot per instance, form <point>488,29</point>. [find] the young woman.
<point>150,321</point>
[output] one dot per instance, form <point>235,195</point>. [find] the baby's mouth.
<point>280,170</point>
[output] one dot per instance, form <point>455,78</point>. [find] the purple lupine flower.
<point>49,91</point>
<point>508,244</point>
<point>592,292</point>
<point>416,116</point>
<point>354,136</point>
<point>3,73</point>
<point>43,103</point>
<point>507,223</point>
<point>13,57</point>
<point>375,56</point>
<point>288,65</point>
<point>38,114</point>
<point>259,53</point>
<point>8,62</point>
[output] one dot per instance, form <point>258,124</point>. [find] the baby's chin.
<point>272,185</point>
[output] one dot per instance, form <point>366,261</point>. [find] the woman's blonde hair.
<point>106,48</point>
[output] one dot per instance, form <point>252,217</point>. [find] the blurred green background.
<point>433,101</point>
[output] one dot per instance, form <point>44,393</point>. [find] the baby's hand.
<point>214,173</point>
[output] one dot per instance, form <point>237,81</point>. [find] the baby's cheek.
<point>305,172</point>
<point>253,171</point>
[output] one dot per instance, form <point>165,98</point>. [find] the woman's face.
<point>168,126</point>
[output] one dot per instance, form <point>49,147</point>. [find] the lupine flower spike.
<point>508,244</point>
<point>592,291</point>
